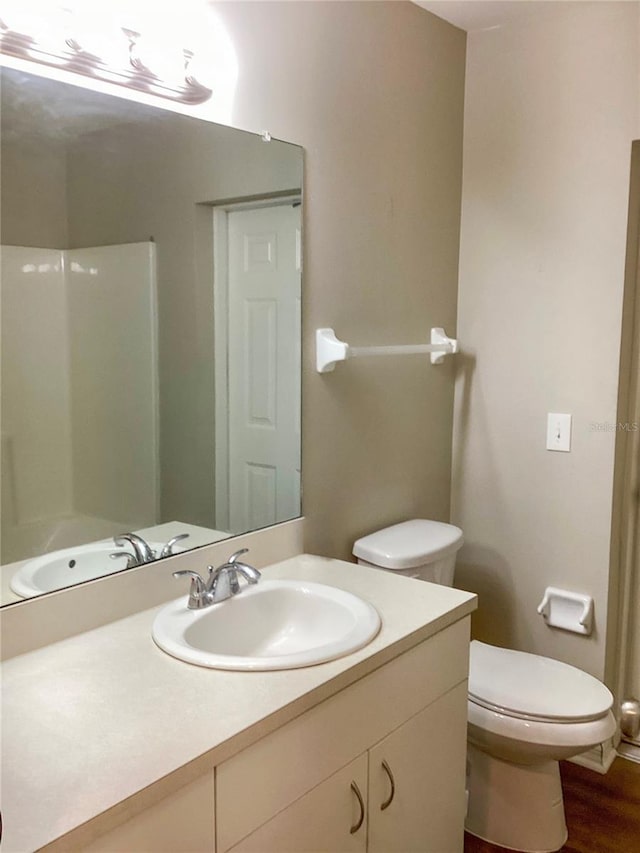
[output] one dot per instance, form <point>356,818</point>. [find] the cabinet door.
<point>321,821</point>
<point>425,758</point>
<point>278,769</point>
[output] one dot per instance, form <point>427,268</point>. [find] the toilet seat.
<point>512,738</point>
<point>532,687</point>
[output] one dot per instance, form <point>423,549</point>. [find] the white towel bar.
<point>330,350</point>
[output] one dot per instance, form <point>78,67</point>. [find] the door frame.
<point>625,539</point>
<point>221,213</point>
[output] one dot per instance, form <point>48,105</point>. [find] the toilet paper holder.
<point>571,611</point>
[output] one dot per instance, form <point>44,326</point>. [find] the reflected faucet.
<point>167,551</point>
<point>132,561</point>
<point>221,584</point>
<point>142,551</point>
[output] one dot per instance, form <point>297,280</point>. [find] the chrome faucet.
<point>223,581</point>
<point>142,551</point>
<point>221,584</point>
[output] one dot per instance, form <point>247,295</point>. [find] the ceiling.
<point>60,112</point>
<point>480,14</point>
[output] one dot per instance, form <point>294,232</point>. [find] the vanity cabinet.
<point>403,727</point>
<point>384,757</point>
<point>170,758</point>
<point>403,794</point>
<point>182,821</point>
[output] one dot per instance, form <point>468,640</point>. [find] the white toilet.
<point>526,712</point>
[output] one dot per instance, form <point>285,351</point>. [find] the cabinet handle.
<point>360,820</point>
<point>388,801</point>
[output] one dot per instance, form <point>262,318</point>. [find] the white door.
<point>264,366</point>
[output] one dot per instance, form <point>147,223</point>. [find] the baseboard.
<point>629,750</point>
<point>599,758</point>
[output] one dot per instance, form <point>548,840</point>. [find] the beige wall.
<point>374,93</point>
<point>552,104</point>
<point>33,196</point>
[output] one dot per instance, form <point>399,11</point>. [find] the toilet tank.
<point>418,549</point>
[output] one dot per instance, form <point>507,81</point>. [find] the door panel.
<point>426,812</point>
<point>320,821</point>
<point>264,366</point>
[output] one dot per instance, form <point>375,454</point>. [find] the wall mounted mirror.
<point>151,271</point>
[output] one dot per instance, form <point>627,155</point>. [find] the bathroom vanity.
<point>112,745</point>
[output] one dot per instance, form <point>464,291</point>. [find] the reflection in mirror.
<point>150,333</point>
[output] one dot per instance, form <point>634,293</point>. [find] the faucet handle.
<point>248,572</point>
<point>197,590</point>
<point>131,558</point>
<point>167,551</point>
<point>232,559</point>
<point>143,551</point>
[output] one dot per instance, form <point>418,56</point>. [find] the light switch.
<point>558,432</point>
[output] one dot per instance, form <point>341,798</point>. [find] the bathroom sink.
<point>276,624</point>
<point>70,566</point>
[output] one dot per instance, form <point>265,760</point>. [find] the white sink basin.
<point>276,624</point>
<point>70,566</point>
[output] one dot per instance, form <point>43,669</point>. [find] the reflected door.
<point>264,365</point>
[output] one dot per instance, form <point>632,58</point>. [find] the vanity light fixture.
<point>67,51</point>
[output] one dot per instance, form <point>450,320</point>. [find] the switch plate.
<point>558,432</point>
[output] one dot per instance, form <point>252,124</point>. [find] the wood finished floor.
<point>602,812</point>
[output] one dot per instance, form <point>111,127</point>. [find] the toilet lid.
<point>534,687</point>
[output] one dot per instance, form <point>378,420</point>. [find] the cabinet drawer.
<point>265,778</point>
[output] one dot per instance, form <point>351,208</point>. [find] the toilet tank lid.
<point>409,544</point>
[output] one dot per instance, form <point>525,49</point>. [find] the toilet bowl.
<point>525,712</point>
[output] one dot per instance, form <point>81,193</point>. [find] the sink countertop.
<point>91,722</point>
